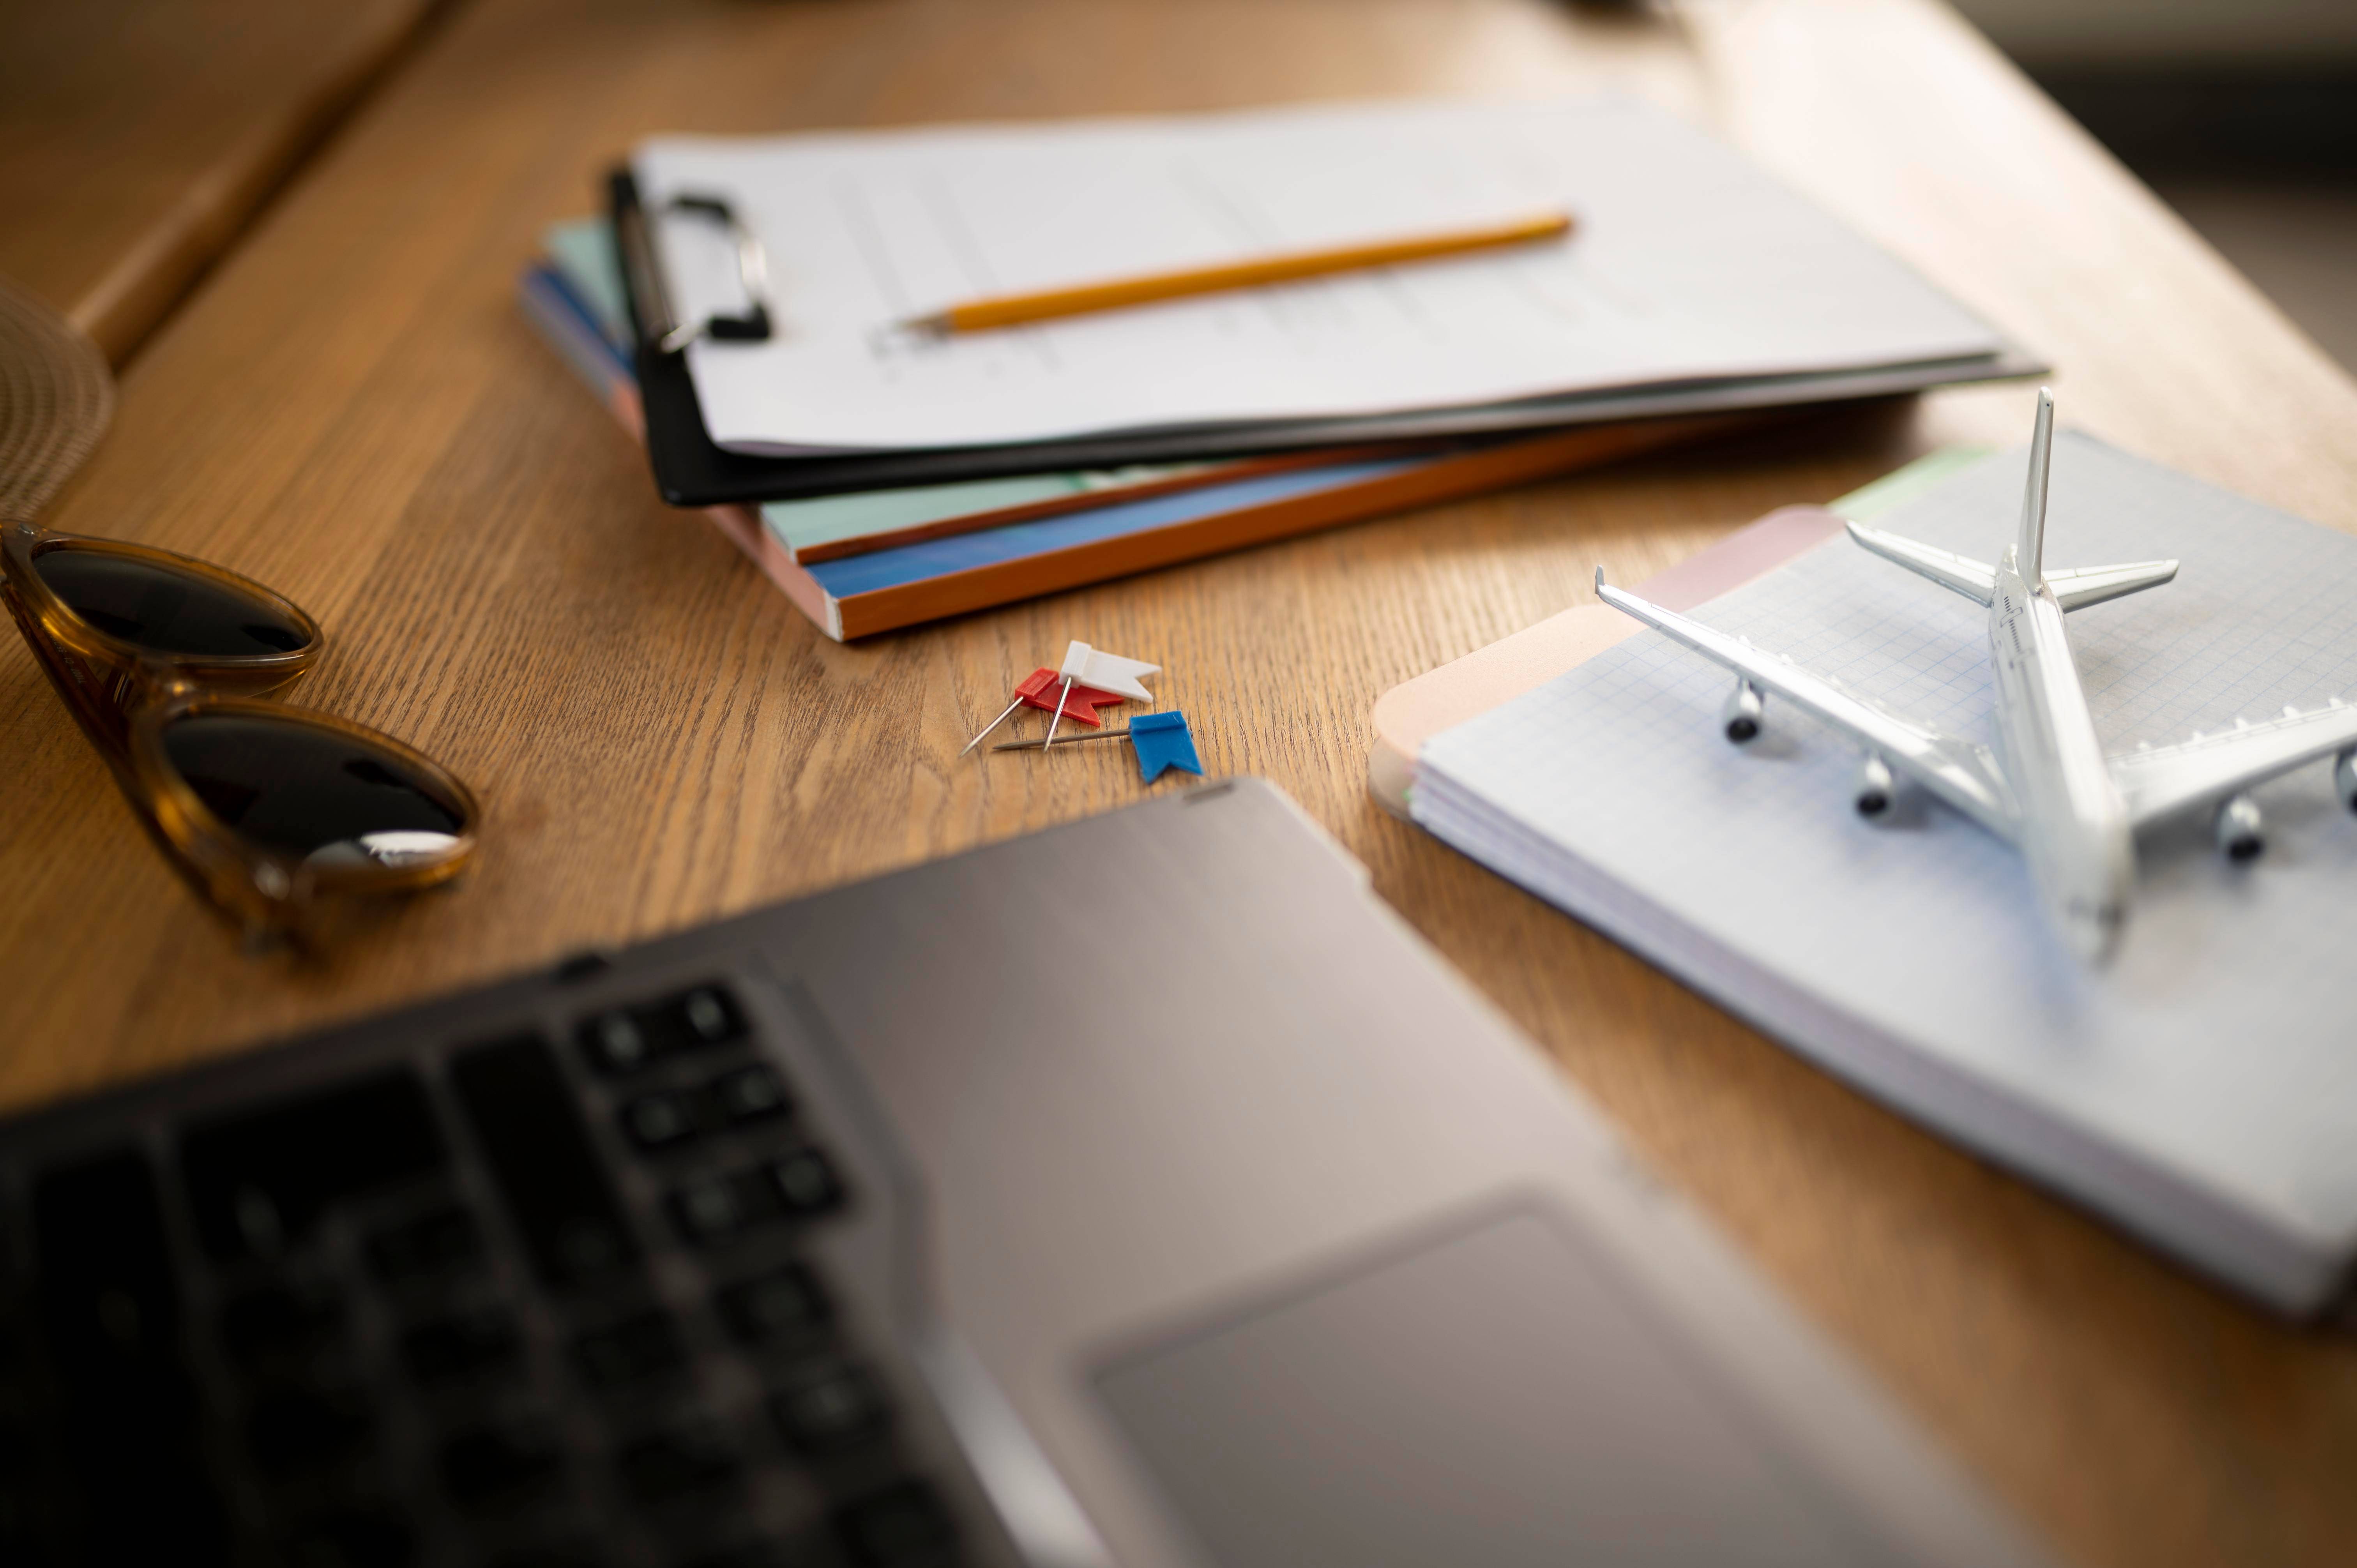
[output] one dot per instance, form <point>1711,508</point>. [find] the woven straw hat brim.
<point>56,396</point>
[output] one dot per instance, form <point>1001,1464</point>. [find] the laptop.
<point>1141,1192</point>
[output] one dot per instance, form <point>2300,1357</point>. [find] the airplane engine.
<point>2344,778</point>
<point>2241,834</point>
<point>1875,786</point>
<point>1743,713</point>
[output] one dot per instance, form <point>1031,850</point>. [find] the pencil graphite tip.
<point>903,336</point>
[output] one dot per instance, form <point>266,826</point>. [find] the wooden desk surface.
<point>353,411</point>
<point>137,137</point>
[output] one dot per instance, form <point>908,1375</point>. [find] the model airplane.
<point>2071,811</point>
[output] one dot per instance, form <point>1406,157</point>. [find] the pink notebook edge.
<point>1416,710</point>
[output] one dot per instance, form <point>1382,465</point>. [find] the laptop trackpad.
<point>1495,1397</point>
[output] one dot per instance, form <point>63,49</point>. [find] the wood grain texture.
<point>353,411</point>
<point>139,136</point>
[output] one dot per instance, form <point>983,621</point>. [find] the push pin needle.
<point>993,725</point>
<point>1069,740</point>
<point>1057,717</point>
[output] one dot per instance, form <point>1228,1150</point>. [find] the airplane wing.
<point>2156,781</point>
<point>1960,773</point>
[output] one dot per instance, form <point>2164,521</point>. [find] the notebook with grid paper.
<point>2199,1088</point>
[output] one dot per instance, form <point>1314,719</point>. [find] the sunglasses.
<point>278,816</point>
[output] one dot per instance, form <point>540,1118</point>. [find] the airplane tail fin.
<point>2073,590</point>
<point>2029,556</point>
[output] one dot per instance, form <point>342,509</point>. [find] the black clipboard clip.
<point>659,327</point>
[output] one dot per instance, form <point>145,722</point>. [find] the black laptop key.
<point>493,1466</point>
<point>259,1180</point>
<point>707,1016</point>
<point>524,1114</point>
<point>786,1306</point>
<point>373,1535</point>
<point>109,1315</point>
<point>747,1095</point>
<point>665,1119</point>
<point>803,1184</point>
<point>461,1349</point>
<point>903,1526</point>
<point>630,1351</point>
<point>676,1463</point>
<point>280,1322</point>
<point>443,1242</point>
<point>830,1408</point>
<point>302,1429</point>
<point>709,1211</point>
<point>616,1043</point>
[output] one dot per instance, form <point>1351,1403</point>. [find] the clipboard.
<point>692,470</point>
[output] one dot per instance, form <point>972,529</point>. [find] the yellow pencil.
<point>1015,309</point>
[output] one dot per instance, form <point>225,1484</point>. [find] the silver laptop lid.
<point>1290,1251</point>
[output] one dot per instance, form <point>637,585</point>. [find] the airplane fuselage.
<point>2076,834</point>
<point>2050,791</point>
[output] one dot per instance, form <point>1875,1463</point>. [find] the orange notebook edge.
<point>1412,711</point>
<point>1472,473</point>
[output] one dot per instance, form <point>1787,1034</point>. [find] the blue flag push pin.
<point>1162,742</point>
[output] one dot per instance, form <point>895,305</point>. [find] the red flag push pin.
<point>1079,704</point>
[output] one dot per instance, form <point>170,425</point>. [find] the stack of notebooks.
<point>884,478</point>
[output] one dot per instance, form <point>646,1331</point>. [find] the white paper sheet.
<point>2218,1051</point>
<point>1688,263</point>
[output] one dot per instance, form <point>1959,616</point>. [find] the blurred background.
<point>2242,115</point>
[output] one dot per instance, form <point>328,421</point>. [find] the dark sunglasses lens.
<point>304,790</point>
<point>159,607</point>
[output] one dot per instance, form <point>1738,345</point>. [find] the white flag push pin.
<point>1104,672</point>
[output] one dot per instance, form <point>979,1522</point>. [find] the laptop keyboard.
<point>579,1288</point>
